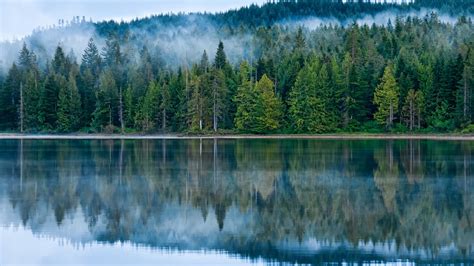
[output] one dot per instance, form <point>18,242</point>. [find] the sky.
<point>19,18</point>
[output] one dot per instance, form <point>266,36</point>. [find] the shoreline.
<point>13,136</point>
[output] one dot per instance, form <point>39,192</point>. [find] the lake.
<point>236,201</point>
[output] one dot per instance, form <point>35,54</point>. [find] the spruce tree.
<point>49,99</point>
<point>105,113</point>
<point>220,60</point>
<point>269,109</point>
<point>148,113</point>
<point>386,98</point>
<point>245,99</point>
<point>10,100</point>
<point>90,71</point>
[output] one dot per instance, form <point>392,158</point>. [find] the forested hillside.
<point>258,69</point>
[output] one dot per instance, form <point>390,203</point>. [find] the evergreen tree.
<point>31,102</point>
<point>49,99</point>
<point>129,108</point>
<point>10,100</point>
<point>386,98</point>
<point>105,113</point>
<point>27,59</point>
<point>220,60</point>
<point>60,64</point>
<point>219,91</point>
<point>69,106</point>
<point>326,79</point>
<point>165,107</point>
<point>465,101</point>
<point>90,71</point>
<point>196,103</point>
<point>148,113</point>
<point>269,108</point>
<point>308,109</point>
<point>91,59</point>
<point>245,99</point>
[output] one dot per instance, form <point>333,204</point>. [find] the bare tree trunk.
<point>122,124</point>
<point>412,115</point>
<point>214,107</point>
<point>465,108</point>
<point>390,122</point>
<point>200,112</point>
<point>110,114</point>
<point>412,156</point>
<point>22,108</point>
<point>163,122</point>
<point>419,117</point>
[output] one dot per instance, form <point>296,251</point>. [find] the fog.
<point>180,44</point>
<point>381,18</point>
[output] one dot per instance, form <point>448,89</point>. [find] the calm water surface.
<point>236,202</point>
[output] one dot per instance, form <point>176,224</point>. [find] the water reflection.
<point>303,201</point>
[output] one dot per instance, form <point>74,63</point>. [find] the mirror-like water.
<point>236,201</point>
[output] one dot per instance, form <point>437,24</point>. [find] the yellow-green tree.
<point>386,98</point>
<point>270,113</point>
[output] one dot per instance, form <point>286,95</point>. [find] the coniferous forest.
<point>414,73</point>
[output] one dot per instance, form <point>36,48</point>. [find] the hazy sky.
<point>19,17</point>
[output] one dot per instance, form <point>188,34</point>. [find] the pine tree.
<point>219,93</point>
<point>75,107</point>
<point>31,96</point>
<point>302,100</point>
<point>10,100</point>
<point>49,99</point>
<point>64,117</point>
<point>220,60</point>
<point>164,105</point>
<point>59,63</point>
<point>386,98</point>
<point>269,108</point>
<point>196,104</point>
<point>309,100</point>
<point>91,59</point>
<point>90,71</point>
<point>465,110</point>
<point>129,107</point>
<point>107,102</point>
<point>245,100</point>
<point>348,103</point>
<point>147,115</point>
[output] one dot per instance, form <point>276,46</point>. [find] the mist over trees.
<point>261,77</point>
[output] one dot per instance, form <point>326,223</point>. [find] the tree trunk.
<point>22,114</point>
<point>419,117</point>
<point>465,108</point>
<point>163,122</point>
<point>390,120</point>
<point>412,115</point>
<point>122,124</point>
<point>110,114</point>
<point>214,107</point>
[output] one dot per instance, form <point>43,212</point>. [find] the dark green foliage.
<point>10,100</point>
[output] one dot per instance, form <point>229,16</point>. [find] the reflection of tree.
<point>386,176</point>
<point>290,190</point>
<point>412,161</point>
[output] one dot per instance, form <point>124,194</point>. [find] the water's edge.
<point>233,136</point>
